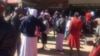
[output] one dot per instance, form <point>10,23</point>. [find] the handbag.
<point>37,31</point>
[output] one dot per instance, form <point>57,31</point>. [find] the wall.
<point>41,4</point>
<point>84,1</point>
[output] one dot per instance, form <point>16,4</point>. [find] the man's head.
<point>2,7</point>
<point>76,14</point>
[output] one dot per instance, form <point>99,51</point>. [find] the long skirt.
<point>29,46</point>
<point>59,41</point>
<point>74,40</point>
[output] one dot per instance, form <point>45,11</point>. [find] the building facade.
<point>40,4</point>
<point>52,4</point>
<point>56,4</point>
<point>76,5</point>
<point>84,5</point>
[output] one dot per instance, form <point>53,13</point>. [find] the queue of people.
<point>27,22</point>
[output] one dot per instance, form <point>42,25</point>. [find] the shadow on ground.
<point>65,52</point>
<point>53,52</point>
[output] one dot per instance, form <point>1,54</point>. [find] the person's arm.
<point>70,26</point>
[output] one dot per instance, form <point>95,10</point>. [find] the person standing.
<point>96,45</point>
<point>28,28</point>
<point>15,21</point>
<point>60,33</point>
<point>74,33</point>
<point>54,19</point>
<point>48,16</point>
<point>8,37</point>
<point>44,34</point>
<point>88,21</point>
<point>40,17</point>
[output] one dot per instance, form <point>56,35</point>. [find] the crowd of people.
<point>34,25</point>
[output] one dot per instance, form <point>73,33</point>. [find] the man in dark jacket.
<point>60,33</point>
<point>7,35</point>
<point>15,21</point>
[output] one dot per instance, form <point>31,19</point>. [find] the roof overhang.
<point>84,1</point>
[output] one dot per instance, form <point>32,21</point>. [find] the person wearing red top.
<point>88,21</point>
<point>74,33</point>
<point>88,16</point>
<point>95,51</point>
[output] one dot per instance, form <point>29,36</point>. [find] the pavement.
<point>50,47</point>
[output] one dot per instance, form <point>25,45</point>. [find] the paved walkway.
<point>50,50</point>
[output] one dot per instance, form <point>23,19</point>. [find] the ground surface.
<point>50,50</point>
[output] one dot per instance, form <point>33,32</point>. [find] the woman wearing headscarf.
<point>28,28</point>
<point>60,33</point>
<point>15,21</point>
<point>74,33</point>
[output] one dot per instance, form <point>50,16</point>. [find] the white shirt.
<point>45,22</point>
<point>68,24</point>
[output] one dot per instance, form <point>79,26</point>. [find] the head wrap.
<point>32,12</point>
